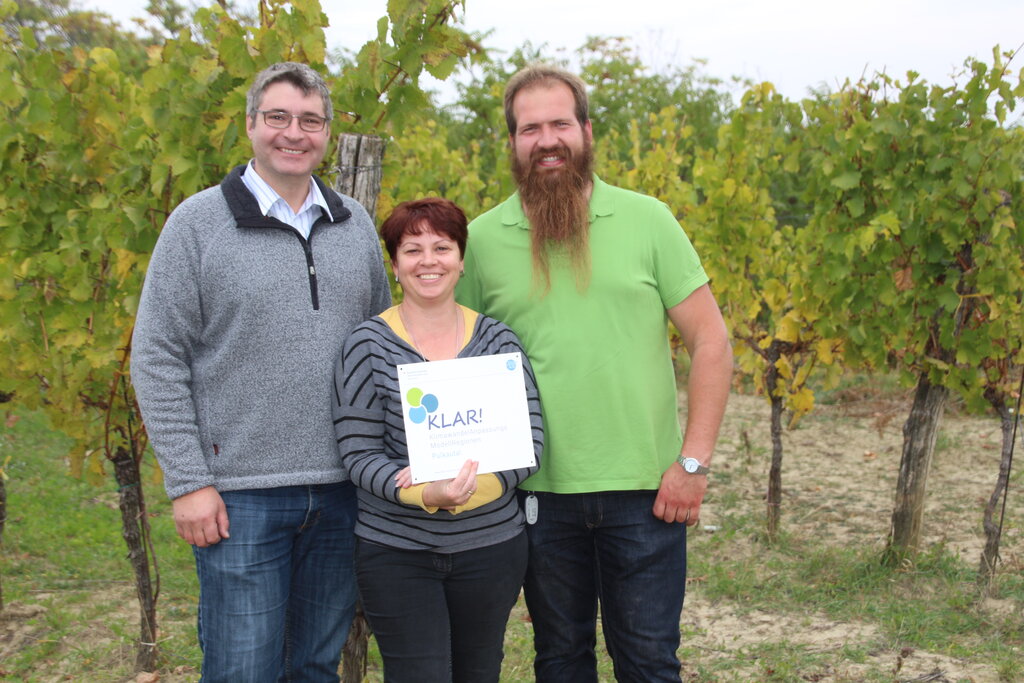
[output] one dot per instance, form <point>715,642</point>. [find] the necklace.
<point>412,337</point>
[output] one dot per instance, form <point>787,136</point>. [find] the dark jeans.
<point>440,617</point>
<point>276,599</point>
<point>606,547</point>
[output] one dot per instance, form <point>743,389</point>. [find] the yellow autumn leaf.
<point>775,294</point>
<point>802,374</point>
<point>124,262</point>
<point>73,339</point>
<point>789,328</point>
<point>802,402</point>
<point>94,463</point>
<point>823,350</point>
<point>784,367</point>
<point>993,309</point>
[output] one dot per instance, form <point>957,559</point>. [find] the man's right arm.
<point>703,331</point>
<point>167,327</point>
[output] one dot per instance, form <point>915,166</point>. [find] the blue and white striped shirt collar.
<point>273,205</point>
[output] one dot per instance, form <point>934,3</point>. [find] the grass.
<point>932,605</point>
<point>68,587</point>
<point>71,612</point>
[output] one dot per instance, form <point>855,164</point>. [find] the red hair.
<point>443,216</point>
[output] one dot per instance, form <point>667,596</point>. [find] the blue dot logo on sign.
<point>420,404</point>
<point>510,364</point>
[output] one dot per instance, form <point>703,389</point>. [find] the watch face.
<point>691,465</point>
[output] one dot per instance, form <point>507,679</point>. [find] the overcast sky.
<point>795,44</point>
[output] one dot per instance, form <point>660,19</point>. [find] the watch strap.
<point>701,469</point>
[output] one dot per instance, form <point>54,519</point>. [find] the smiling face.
<point>546,126</point>
<point>286,157</point>
<point>552,164</point>
<point>428,266</point>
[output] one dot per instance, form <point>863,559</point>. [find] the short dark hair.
<point>443,216</point>
<point>301,76</point>
<point>535,75</point>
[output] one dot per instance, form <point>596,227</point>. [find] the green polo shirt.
<point>601,355</point>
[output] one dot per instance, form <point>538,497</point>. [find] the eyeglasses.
<point>275,118</point>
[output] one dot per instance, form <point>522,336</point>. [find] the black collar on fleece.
<point>246,209</point>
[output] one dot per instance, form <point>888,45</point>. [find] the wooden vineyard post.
<point>359,174</point>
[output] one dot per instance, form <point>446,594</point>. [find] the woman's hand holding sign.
<point>447,494</point>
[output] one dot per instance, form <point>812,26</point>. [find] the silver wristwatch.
<point>692,465</point>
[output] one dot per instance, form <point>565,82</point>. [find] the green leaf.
<point>855,207</point>
<point>846,181</point>
<point>948,299</point>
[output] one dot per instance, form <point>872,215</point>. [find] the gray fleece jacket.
<point>239,325</point>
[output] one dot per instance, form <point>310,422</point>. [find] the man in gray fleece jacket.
<point>251,291</point>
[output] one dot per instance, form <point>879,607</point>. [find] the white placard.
<point>465,409</point>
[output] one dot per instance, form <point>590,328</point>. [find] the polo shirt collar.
<point>602,203</point>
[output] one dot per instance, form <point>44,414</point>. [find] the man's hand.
<point>200,517</point>
<point>680,495</point>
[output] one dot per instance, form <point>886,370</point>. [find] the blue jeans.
<point>440,617</point>
<point>276,599</point>
<point>605,547</point>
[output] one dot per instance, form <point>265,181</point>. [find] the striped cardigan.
<point>371,437</point>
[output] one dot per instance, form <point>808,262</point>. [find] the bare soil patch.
<point>840,469</point>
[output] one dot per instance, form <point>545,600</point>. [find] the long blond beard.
<point>557,203</point>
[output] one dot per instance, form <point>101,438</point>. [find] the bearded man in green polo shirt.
<point>588,275</point>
